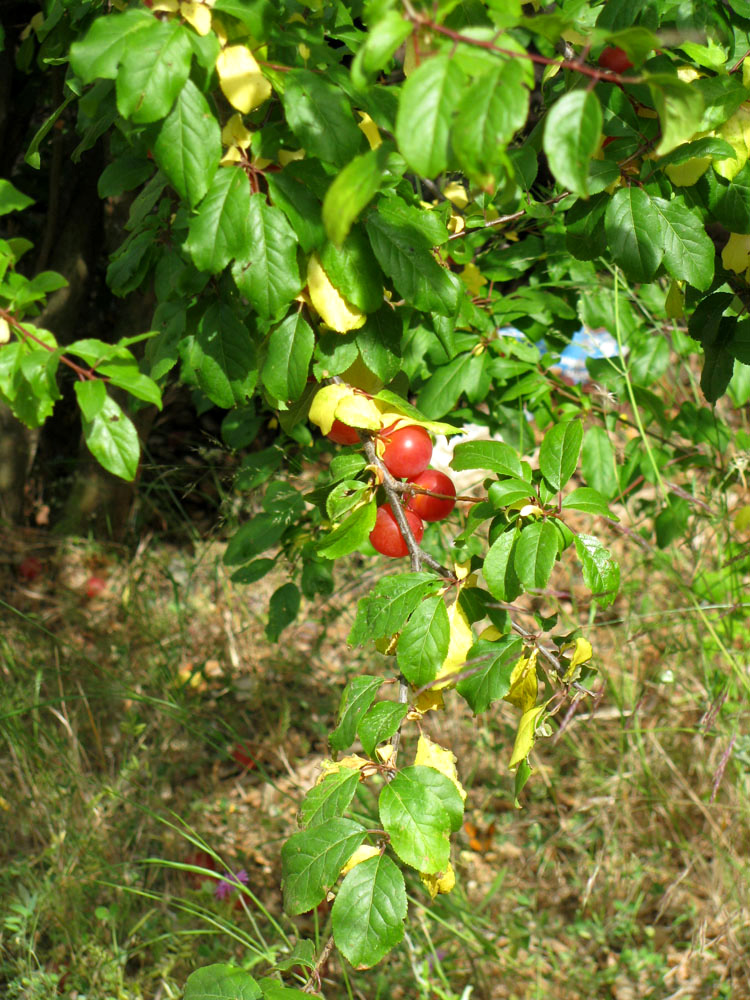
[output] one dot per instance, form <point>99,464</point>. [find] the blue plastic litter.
<point>571,361</point>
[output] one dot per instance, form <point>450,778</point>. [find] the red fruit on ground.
<point>30,568</point>
<point>242,754</point>
<point>95,586</point>
<point>615,59</point>
<point>408,451</point>
<point>432,508</point>
<point>343,434</point>
<point>386,536</point>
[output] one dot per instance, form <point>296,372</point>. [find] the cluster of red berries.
<point>406,455</point>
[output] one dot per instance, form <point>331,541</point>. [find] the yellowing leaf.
<point>523,683</point>
<point>442,882</point>
<point>491,634</point>
<point>687,174</point>
<point>387,645</point>
<point>456,194</point>
<point>289,155</point>
<point>525,735</point>
<point>688,73</point>
<point>240,78</point>
<point>431,754</point>
<point>357,410</point>
<point>742,519</point>
<point>370,130</point>
<point>234,133</point>
<point>736,132</point>
<point>197,14</point>
<point>361,854</point>
<point>352,762</point>
<point>473,278</point>
<point>430,701</point>
<point>323,407</point>
<point>332,307</point>
<point>582,653</point>
<point>674,304</point>
<point>460,642</point>
<point>385,753</point>
<point>736,254</point>
<point>394,419</point>
<point>166,6</point>
<point>4,331</point>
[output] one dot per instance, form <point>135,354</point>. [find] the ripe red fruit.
<point>30,568</point>
<point>386,536</point>
<point>242,753</point>
<point>432,508</point>
<point>343,434</point>
<point>408,450</point>
<point>615,59</point>
<point>95,585</point>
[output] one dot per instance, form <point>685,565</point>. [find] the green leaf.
<point>221,982</point>
<point>123,174</point>
<point>384,611</point>
<point>188,146</point>
<point>288,190</point>
<point>320,116</point>
<point>492,455</point>
<point>688,249</point>
<point>442,787</point>
<point>379,343</point>
<point>252,538</point>
<point>423,643</point>
<point>417,823</point>
<point>255,15</point>
<point>352,191</point>
<point>223,356</point>
<point>601,573</point>
<point>273,990</point>
<point>379,723</point>
<point>312,859</point>
<point>589,500</point>
<point>283,608</point>
<point>329,798</point>
<point>99,52</point>
<point>253,571</point>
<point>572,133</point>
<point>680,106</point>
<point>380,43</point>
<point>91,396</point>
<point>558,454</point>
<point>650,361</point>
<point>358,695</point>
<point>266,272</point>
<point>489,114</point>
<point>428,102</point>
<point>634,233</point>
<point>113,440</point>
<point>369,910</point>
<point>153,71</point>
<point>350,534</point>
<point>499,568</point>
<point>598,463</point>
<point>354,272</point>
<point>492,682</point>
<point>718,368</point>
<point>11,199</point>
<point>125,375</point>
<point>287,363</point>
<point>536,551</point>
<point>343,497</point>
<point>221,230</point>
<point>405,255</point>
<point>509,491</point>
<point>447,383</point>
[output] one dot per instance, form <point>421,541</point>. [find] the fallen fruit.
<point>30,568</point>
<point>95,586</point>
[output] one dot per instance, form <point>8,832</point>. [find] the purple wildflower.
<point>228,885</point>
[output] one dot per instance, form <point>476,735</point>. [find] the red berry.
<point>95,585</point>
<point>432,508</point>
<point>615,59</point>
<point>30,568</point>
<point>386,536</point>
<point>408,450</point>
<point>343,434</point>
<point>242,754</point>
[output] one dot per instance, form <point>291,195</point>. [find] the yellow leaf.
<point>357,410</point>
<point>197,14</point>
<point>491,634</point>
<point>736,132</point>
<point>523,683</point>
<point>323,407</point>
<point>166,6</point>
<point>359,375</point>
<point>385,753</point>
<point>688,73</point>
<point>742,519</point>
<point>240,78</point>
<point>387,645</point>
<point>352,762</point>
<point>332,307</point>
<point>430,701</point>
<point>456,223</point>
<point>4,331</point>
<point>736,254</point>
<point>473,278</point>
<point>460,642</point>
<point>675,302</point>
<point>304,51</point>
<point>525,735</point>
<point>431,754</point>
<point>410,56</point>
<point>289,155</point>
<point>442,882</point>
<point>361,854</point>
<point>688,173</point>
<point>456,194</point>
<point>394,419</point>
<point>370,130</point>
<point>234,133</point>
<point>582,652</point>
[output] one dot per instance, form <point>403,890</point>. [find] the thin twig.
<point>82,373</point>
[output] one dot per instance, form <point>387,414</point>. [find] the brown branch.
<point>501,220</point>
<point>82,373</point>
